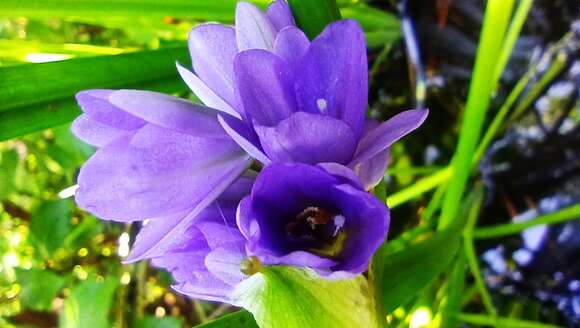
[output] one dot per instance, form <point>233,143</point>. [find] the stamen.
<point>322,105</point>
<point>251,265</point>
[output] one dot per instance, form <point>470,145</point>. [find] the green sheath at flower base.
<point>286,297</point>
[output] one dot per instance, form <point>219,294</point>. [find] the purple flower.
<point>316,217</point>
<point>292,100</point>
<point>157,155</point>
<point>312,216</point>
<point>204,258</point>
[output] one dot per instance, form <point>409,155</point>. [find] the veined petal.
<point>225,263</point>
<point>95,133</point>
<point>191,280</point>
<point>308,138</point>
<point>253,28</point>
<point>280,15</point>
<point>265,85</point>
<point>156,173</point>
<point>334,75</point>
<point>204,93</point>
<point>372,171</point>
<point>169,112</point>
<point>95,103</point>
<point>148,243</point>
<point>212,48</point>
<point>244,137</point>
<point>291,44</point>
<point>383,136</point>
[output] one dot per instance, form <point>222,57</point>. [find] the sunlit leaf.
<point>290,297</point>
<point>89,304</point>
<point>38,288</point>
<point>50,224</point>
<point>154,322</point>
<point>8,164</point>
<point>38,96</point>
<point>240,319</point>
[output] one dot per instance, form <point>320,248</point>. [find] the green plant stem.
<point>511,37</point>
<point>420,187</point>
<point>495,23</point>
<point>471,255</point>
<point>559,63</point>
<point>566,214</point>
<point>140,292</point>
<point>500,322</point>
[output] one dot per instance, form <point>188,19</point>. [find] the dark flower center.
<point>317,230</point>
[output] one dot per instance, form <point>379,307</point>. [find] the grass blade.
<point>563,215</point>
<point>495,24</point>
<point>313,15</point>
<point>30,101</point>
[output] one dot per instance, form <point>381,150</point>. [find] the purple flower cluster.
<point>271,95</point>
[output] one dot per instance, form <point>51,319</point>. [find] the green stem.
<point>471,255</point>
<point>566,214</point>
<point>511,37</point>
<point>500,322</point>
<point>495,24</point>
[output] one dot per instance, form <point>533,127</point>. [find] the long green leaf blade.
<point>313,15</point>
<point>39,96</point>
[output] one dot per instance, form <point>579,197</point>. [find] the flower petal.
<point>342,172</point>
<point>265,86</point>
<point>225,263</point>
<point>212,48</point>
<point>95,133</point>
<point>204,93</point>
<point>383,136</point>
<point>280,15</point>
<point>244,137</point>
<point>291,44</point>
<point>253,28</point>
<point>192,278</point>
<point>308,138</point>
<point>95,103</point>
<point>161,235</point>
<point>156,173</point>
<point>169,112</point>
<point>372,171</point>
<point>334,77</point>
<point>368,223</point>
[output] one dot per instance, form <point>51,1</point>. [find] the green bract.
<point>284,297</point>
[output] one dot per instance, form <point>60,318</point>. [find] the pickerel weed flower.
<point>296,106</point>
<point>296,214</point>
<point>289,99</point>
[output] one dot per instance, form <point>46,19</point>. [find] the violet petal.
<point>265,86</point>
<point>253,28</point>
<point>212,48</point>
<point>383,136</point>
<point>334,75</point>
<point>308,138</point>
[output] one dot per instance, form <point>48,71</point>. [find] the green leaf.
<point>290,297</point>
<point>50,225</point>
<point>313,15</point>
<point>122,11</point>
<point>89,304</point>
<point>38,288</point>
<point>154,322</point>
<point>401,275</point>
<point>495,24</point>
<point>240,319</point>
<point>39,96</point>
<point>8,164</point>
